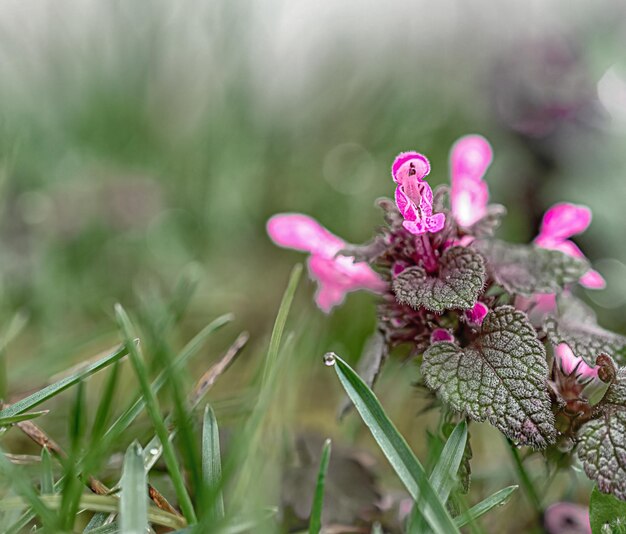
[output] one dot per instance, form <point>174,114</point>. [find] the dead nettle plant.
<point>496,327</point>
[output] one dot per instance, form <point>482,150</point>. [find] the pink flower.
<point>567,518</point>
<point>571,364</point>
<point>476,315</point>
<point>414,197</point>
<point>561,222</point>
<point>470,158</point>
<point>441,334</point>
<point>336,274</point>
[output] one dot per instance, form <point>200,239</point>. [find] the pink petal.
<point>328,296</point>
<point>593,280</point>
<point>435,223</point>
<point>476,315</point>
<point>564,220</point>
<point>570,363</point>
<point>405,206</point>
<point>469,201</point>
<point>441,334</point>
<point>405,161</point>
<point>300,232</point>
<point>340,275</point>
<point>566,358</point>
<point>470,158</point>
<point>418,221</point>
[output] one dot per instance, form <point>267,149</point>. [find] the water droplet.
<point>154,451</point>
<point>329,359</point>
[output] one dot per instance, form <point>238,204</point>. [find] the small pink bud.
<point>441,334</point>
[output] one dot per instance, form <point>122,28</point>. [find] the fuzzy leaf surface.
<point>602,445</point>
<point>487,226</point>
<point>527,269</point>
<point>602,450</point>
<point>458,284</point>
<point>585,338</point>
<point>500,378</point>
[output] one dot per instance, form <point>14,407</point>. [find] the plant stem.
<point>524,478</point>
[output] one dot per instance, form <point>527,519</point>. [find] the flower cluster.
<point>496,327</point>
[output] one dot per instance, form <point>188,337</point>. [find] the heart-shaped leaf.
<point>527,269</point>
<point>602,442</point>
<point>500,377</point>
<point>458,283</point>
<point>602,450</point>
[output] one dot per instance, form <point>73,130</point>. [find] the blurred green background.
<point>139,140</point>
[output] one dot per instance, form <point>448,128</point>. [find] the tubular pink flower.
<point>336,274</point>
<point>476,315</point>
<point>570,364</point>
<point>470,158</point>
<point>414,197</point>
<point>561,222</point>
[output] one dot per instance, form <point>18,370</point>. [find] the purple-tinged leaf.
<point>602,450</point>
<point>586,339</point>
<point>458,283</point>
<point>602,442</point>
<point>528,269</point>
<point>500,377</point>
<point>487,226</point>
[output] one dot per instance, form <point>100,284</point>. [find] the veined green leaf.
<point>395,448</point>
<point>315,523</point>
<point>134,498</point>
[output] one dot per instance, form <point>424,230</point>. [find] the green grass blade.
<point>281,321</point>
<point>134,497</point>
<point>315,522</point>
<point>111,528</point>
<point>499,498</point>
<point>152,407</point>
<point>99,503</point>
<point>444,474</point>
<point>98,520</point>
<point>190,349</point>
<point>46,485</point>
<point>212,462</point>
<point>106,403</point>
<point>23,487</point>
<point>12,419</point>
<point>72,486</point>
<point>58,387</point>
<point>377,529</point>
<point>395,447</point>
